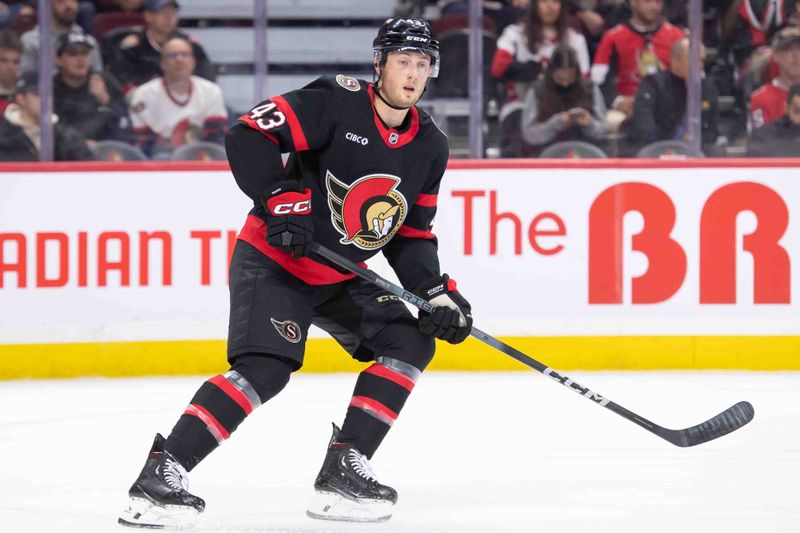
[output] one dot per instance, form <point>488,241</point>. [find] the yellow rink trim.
<point>124,359</point>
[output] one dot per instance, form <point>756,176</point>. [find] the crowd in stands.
<point>659,107</point>
<point>562,104</point>
<point>149,86</point>
<point>614,72</point>
<point>610,73</point>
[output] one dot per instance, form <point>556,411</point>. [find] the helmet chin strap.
<point>378,93</point>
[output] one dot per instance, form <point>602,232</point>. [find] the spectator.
<point>756,21</point>
<point>632,50</point>
<point>590,21</point>
<point>523,50</point>
<point>177,108</point>
<point>767,102</point>
<point>90,102</point>
<point>20,136</point>
<point>563,106</point>
<point>618,11</point>
<point>65,13</point>
<point>770,71</point>
<point>10,9</point>
<point>659,111</point>
<point>138,58</point>
<point>781,137</point>
<point>510,12</point>
<point>793,18</point>
<point>10,51</point>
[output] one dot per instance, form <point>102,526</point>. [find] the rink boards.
<point>121,269</point>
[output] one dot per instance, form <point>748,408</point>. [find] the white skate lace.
<point>361,465</point>
<point>175,475</point>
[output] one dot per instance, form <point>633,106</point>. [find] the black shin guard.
<point>222,403</point>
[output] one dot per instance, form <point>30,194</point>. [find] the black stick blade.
<point>727,421</point>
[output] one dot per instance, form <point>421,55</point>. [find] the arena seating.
<point>305,39</point>
<point>290,9</point>
<point>573,150</point>
<point>664,149</point>
<point>200,151</point>
<point>116,151</point>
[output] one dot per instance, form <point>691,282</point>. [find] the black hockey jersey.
<point>372,187</point>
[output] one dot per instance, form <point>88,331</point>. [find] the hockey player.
<point>362,177</point>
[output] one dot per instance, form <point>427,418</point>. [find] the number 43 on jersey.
<point>274,118</point>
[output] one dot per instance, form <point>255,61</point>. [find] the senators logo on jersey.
<point>369,212</point>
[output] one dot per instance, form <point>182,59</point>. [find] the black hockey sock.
<point>379,395</point>
<point>222,403</point>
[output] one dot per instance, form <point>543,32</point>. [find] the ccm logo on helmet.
<point>294,208</point>
<point>363,141</point>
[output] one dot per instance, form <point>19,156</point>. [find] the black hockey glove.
<point>289,223</point>
<point>451,320</point>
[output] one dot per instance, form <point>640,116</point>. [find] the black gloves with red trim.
<point>289,223</point>
<point>451,320</point>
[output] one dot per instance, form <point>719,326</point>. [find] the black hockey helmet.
<point>407,34</point>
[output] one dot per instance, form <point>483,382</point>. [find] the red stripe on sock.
<point>375,408</point>
<point>391,375</point>
<point>235,394</point>
<point>214,427</point>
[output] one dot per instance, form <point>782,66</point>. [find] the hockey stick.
<point>727,421</point>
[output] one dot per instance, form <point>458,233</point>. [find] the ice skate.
<point>159,497</point>
<point>347,489</point>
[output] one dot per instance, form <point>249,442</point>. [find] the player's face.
<point>649,11</point>
<point>9,66</point>
<point>404,77</point>
<point>548,11</point>
<point>793,111</point>
<point>74,61</point>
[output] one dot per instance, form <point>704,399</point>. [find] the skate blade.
<point>332,506</point>
<point>143,513</point>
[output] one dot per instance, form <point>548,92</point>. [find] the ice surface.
<point>472,452</point>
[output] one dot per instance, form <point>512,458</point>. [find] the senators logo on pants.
<point>288,329</point>
<point>369,212</point>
